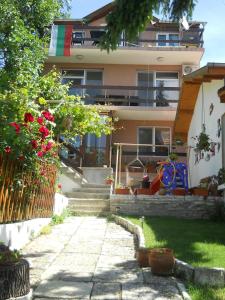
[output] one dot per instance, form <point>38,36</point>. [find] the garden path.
<point>89,258</point>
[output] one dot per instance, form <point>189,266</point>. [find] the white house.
<point>201,109</point>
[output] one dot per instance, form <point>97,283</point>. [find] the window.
<point>163,80</point>
<point>158,137</point>
<point>82,77</point>
<point>171,37</point>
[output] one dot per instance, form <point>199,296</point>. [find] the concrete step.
<point>82,208</point>
<point>86,195</point>
<point>91,185</point>
<point>91,202</point>
<point>92,190</point>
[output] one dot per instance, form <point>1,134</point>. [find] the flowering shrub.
<point>31,142</point>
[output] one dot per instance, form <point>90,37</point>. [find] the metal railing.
<point>140,154</point>
<point>85,35</point>
<point>128,95</point>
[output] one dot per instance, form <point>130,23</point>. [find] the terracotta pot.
<point>161,261</point>
<point>121,191</point>
<point>200,192</point>
<point>143,191</point>
<point>142,255</point>
<point>108,181</point>
<point>179,192</point>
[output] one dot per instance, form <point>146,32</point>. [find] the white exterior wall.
<point>205,168</point>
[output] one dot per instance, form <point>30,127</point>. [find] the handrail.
<point>124,87</point>
<point>141,145</point>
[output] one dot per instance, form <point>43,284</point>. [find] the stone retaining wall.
<point>189,207</point>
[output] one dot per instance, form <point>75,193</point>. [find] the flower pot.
<point>200,192</point>
<point>221,94</point>
<point>161,261</point>
<point>143,191</point>
<point>108,181</point>
<point>15,279</point>
<point>121,191</point>
<point>142,257</point>
<point>179,192</point>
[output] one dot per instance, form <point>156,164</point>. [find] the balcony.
<point>158,45</point>
<point>128,96</point>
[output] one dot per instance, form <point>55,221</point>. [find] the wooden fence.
<point>27,199</point>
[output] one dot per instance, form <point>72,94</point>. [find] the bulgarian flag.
<point>60,40</point>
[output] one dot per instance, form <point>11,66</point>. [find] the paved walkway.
<point>88,258</point>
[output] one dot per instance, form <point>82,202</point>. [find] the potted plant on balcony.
<point>221,94</point>
<point>14,274</point>
<point>122,190</point>
<point>109,179</point>
<point>161,261</point>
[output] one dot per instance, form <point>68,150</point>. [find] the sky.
<point>210,11</point>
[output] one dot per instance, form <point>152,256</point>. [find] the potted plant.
<point>173,156</point>
<point>161,261</point>
<point>203,143</point>
<point>221,176</point>
<point>142,255</point>
<point>221,94</point>
<point>122,190</point>
<point>14,273</point>
<point>109,179</point>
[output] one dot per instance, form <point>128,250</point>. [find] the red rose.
<point>16,126</point>
<point>48,116</point>
<point>21,157</point>
<point>28,117</point>
<point>49,146</point>
<point>40,120</point>
<point>40,153</point>
<point>7,149</point>
<point>59,186</point>
<point>34,144</point>
<point>44,131</point>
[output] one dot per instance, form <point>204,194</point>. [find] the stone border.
<point>135,229</point>
<point>214,277</point>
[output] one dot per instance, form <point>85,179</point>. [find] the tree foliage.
<point>132,17</point>
<point>24,31</point>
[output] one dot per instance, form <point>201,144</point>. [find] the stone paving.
<point>89,258</point>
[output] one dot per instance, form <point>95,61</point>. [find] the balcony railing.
<point>86,36</point>
<point>127,95</point>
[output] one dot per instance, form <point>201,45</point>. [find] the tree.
<point>24,30</point>
<point>133,16</point>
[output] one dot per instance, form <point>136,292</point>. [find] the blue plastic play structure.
<point>175,175</point>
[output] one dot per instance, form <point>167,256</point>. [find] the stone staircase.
<point>90,199</point>
<point>84,197</point>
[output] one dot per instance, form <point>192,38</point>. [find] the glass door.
<point>145,79</point>
<point>145,136</point>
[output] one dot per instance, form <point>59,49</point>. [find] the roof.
<point>189,94</point>
<point>101,12</point>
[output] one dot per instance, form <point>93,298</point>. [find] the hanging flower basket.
<point>221,94</point>
<point>203,143</point>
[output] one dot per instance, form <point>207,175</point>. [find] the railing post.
<point>117,162</point>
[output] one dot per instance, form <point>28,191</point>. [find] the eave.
<point>189,94</point>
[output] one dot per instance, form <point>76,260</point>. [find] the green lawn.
<point>205,293</point>
<point>197,242</point>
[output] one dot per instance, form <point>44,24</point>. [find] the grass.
<point>46,230</point>
<point>206,293</point>
<point>197,242</point>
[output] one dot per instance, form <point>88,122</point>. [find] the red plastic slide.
<point>155,184</point>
